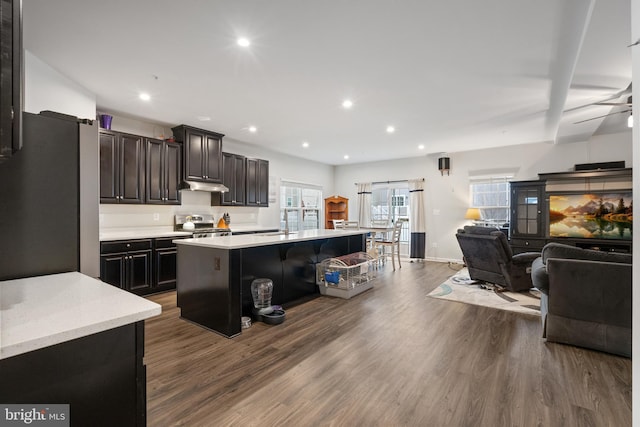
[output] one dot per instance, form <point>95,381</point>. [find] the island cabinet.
<point>215,275</point>
<point>202,153</point>
<point>122,167</point>
<point>71,339</point>
<point>233,177</point>
<point>127,264</point>
<point>257,182</point>
<point>163,172</point>
<point>77,373</point>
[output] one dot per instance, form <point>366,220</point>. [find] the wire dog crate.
<point>347,275</point>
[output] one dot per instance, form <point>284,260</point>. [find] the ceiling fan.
<point>616,104</point>
<point>609,101</point>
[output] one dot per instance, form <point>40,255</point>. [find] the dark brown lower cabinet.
<point>165,256</point>
<point>127,265</point>
<point>140,266</point>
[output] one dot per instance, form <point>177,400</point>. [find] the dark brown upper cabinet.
<point>11,77</point>
<point>257,182</point>
<point>122,164</point>
<point>233,177</point>
<point>202,153</point>
<point>163,172</point>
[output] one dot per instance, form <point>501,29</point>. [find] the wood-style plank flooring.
<point>388,357</point>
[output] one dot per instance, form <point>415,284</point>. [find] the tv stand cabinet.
<point>529,211</point>
<point>600,245</point>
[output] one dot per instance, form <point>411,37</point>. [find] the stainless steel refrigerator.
<point>49,199</point>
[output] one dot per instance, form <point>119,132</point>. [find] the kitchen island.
<point>70,339</point>
<point>215,274</point>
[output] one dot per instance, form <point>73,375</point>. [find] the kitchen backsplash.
<point>124,215</point>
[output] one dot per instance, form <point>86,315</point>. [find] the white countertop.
<point>132,233</point>
<point>41,311</point>
<point>253,240</point>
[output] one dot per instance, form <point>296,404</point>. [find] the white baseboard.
<point>448,260</point>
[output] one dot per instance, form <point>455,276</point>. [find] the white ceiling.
<point>452,75</point>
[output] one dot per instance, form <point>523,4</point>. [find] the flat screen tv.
<point>594,215</point>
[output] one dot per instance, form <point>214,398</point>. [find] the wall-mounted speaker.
<point>444,165</point>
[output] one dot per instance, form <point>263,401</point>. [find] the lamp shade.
<point>473,213</point>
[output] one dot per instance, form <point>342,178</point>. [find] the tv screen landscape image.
<point>591,215</point>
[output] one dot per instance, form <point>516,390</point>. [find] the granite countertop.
<point>253,240</point>
<point>37,312</point>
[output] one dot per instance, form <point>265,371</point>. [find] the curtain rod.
<point>391,182</point>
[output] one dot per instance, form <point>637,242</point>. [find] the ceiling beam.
<point>576,16</point>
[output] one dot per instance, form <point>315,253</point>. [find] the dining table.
<point>378,233</point>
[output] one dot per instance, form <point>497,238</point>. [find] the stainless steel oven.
<point>201,225</point>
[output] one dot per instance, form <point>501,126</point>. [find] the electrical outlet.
<point>434,245</point>
<point>156,217</point>
<point>436,211</point>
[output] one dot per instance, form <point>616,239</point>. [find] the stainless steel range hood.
<point>204,186</point>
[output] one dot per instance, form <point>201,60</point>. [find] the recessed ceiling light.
<point>204,118</point>
<point>347,103</point>
<point>421,147</point>
<point>305,144</point>
<point>253,129</point>
<point>346,157</point>
<point>244,42</point>
<point>145,96</point>
<point>391,129</point>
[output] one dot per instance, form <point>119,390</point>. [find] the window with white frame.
<point>491,196</point>
<point>303,205</point>
<point>390,201</point>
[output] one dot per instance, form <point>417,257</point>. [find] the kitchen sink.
<point>277,233</point>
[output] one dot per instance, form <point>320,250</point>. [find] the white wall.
<point>47,89</point>
<point>447,197</point>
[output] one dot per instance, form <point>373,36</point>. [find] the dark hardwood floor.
<point>388,357</point>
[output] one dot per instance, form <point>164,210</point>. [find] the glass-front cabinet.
<point>527,216</point>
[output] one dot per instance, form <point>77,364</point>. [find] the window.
<point>390,201</point>
<point>303,204</point>
<point>491,196</point>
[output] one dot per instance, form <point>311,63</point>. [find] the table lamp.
<point>473,214</point>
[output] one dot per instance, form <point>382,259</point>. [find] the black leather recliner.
<point>489,258</point>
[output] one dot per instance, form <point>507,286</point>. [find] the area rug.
<point>461,288</point>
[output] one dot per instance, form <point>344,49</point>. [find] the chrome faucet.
<point>286,222</point>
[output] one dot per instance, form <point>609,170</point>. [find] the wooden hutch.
<point>335,207</point>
